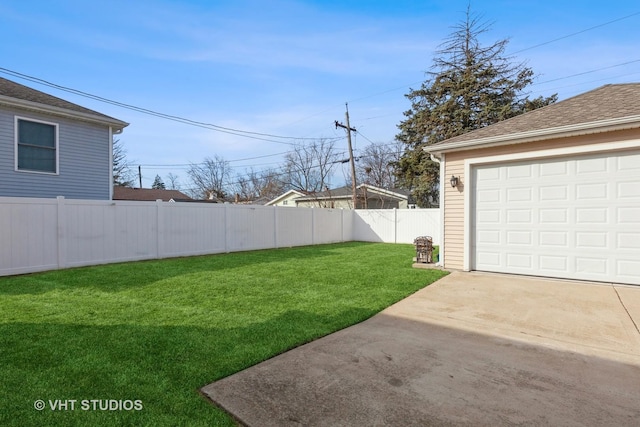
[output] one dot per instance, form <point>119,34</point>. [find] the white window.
<point>285,202</point>
<point>36,146</point>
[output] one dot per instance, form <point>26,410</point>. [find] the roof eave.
<point>383,191</point>
<point>116,124</point>
<point>282,197</point>
<point>609,125</point>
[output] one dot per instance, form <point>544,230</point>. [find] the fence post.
<point>61,235</point>
<point>313,228</point>
<point>275,226</point>
<point>159,230</point>
<point>395,225</point>
<point>226,227</point>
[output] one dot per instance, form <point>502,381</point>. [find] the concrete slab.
<point>471,349</point>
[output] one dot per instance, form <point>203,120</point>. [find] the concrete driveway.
<point>471,349</point>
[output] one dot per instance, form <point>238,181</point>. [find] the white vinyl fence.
<point>48,234</point>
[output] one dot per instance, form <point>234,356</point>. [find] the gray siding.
<point>83,168</point>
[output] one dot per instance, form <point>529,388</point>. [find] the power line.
<point>575,34</point>
<point>588,72</point>
<point>211,126</point>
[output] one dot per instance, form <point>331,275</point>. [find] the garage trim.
<point>540,154</point>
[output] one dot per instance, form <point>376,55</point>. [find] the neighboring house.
<point>369,197</point>
<point>149,194</point>
<point>554,192</point>
<point>287,199</point>
<point>50,147</point>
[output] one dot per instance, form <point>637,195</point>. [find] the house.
<point>286,199</point>
<point>149,194</point>
<point>554,192</point>
<point>369,197</point>
<point>51,147</point>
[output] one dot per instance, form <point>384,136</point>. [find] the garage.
<point>572,217</point>
<point>553,192</point>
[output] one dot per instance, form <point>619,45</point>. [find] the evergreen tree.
<point>470,86</point>
<point>158,184</point>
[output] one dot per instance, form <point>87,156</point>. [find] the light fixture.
<point>454,181</point>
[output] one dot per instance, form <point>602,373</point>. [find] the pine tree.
<point>158,184</point>
<point>471,86</point>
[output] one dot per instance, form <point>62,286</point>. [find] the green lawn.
<point>157,331</point>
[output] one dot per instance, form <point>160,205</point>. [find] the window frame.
<point>56,145</point>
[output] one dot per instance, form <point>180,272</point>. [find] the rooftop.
<point>604,106</point>
<point>10,92</point>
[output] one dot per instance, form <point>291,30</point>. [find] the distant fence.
<point>48,234</point>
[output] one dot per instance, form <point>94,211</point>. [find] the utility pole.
<point>140,175</point>
<point>349,129</point>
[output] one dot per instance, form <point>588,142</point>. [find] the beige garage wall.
<point>454,197</point>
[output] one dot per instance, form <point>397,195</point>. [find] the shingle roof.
<point>15,90</point>
<point>609,102</point>
<point>345,192</point>
<point>148,194</point>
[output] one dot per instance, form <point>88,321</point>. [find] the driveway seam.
<point>625,309</point>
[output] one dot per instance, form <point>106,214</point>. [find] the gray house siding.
<point>83,168</point>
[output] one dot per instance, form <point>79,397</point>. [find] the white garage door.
<point>576,217</point>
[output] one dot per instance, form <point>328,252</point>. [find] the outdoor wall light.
<point>454,181</point>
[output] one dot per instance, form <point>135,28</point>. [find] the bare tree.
<point>210,178</point>
<point>122,174</point>
<point>253,184</point>
<point>376,164</point>
<point>308,167</point>
<point>173,181</point>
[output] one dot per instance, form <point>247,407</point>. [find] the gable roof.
<point>17,95</point>
<point>149,194</point>
<point>609,107</point>
<point>346,193</point>
<point>284,196</point>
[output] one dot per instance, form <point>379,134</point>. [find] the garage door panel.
<point>519,237</point>
<point>628,268</point>
<point>592,215</point>
<point>629,215</point>
<point>519,171</point>
<point>628,162</point>
<point>553,263</point>
<point>587,166</point>
<point>488,196</point>
<point>628,240</point>
<point>519,195</point>
<point>591,240</point>
<point>554,239</point>
<point>592,191</point>
<point>553,192</point>
<point>553,216</point>
<point>519,216</point>
<point>593,266</point>
<point>520,260</point>
<point>553,169</point>
<point>573,217</point>
<point>489,237</point>
<point>488,216</point>
<point>628,190</point>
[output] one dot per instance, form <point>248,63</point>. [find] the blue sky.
<point>288,67</point>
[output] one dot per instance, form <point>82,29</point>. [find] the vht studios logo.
<point>88,405</point>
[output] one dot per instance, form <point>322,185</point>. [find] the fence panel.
<point>293,226</point>
<point>327,225</point>
<point>396,225</point>
<point>191,229</point>
<point>28,235</point>
<point>97,232</point>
